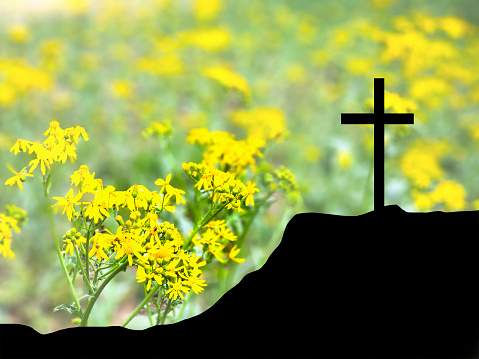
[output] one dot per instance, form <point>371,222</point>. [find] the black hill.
<point>386,284</point>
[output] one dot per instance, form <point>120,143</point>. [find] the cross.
<point>378,119</point>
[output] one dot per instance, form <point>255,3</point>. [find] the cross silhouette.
<point>378,119</point>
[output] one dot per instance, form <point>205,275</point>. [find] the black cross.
<point>378,119</point>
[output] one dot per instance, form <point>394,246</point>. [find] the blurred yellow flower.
<point>431,90</point>
<point>381,4</point>
<point>19,78</point>
<point>18,33</point>
<point>312,153</point>
<point>262,123</point>
<point>7,94</point>
<point>206,9</point>
<point>18,178</point>
<point>360,66</point>
<point>422,201</point>
<point>393,102</point>
<point>306,31</point>
<point>167,44</point>
<point>451,193</point>
<point>212,39</point>
<point>169,65</point>
<point>454,27</point>
<point>222,149</point>
<point>420,163</point>
<point>228,79</point>
<point>344,159</point>
<point>341,37</point>
<point>296,73</point>
<point>121,88</point>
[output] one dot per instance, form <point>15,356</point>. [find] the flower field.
<point>174,140</point>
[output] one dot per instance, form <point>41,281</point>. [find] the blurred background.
<point>114,67</point>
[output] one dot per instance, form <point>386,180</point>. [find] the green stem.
<point>163,320</point>
<point>83,270</point>
<point>159,303</point>
<point>208,217</point>
<point>150,319</point>
<point>250,220</point>
<point>48,210</point>
<point>183,305</point>
<point>87,257</point>
<point>169,155</point>
<point>141,305</point>
<point>93,299</point>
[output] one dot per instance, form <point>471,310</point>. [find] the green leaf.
<point>70,308</point>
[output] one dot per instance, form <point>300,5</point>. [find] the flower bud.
<point>119,220</point>
<point>134,193</point>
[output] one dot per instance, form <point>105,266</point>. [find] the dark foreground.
<point>381,285</point>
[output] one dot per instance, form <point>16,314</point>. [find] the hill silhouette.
<point>386,284</point>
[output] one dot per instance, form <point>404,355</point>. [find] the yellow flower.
<point>44,157</point>
<point>248,193</point>
<point>228,79</point>
<point>129,247</point>
<point>177,289</point>
<point>18,33</point>
<point>430,90</point>
<point>121,89</point>
<point>262,123</point>
<point>212,39</point>
<point>420,163</point>
<point>18,178</point>
<point>169,189</point>
<point>169,65</point>
<point>97,247</point>
<point>68,203</point>
<point>344,159</point>
<point>5,249</point>
<point>360,66</point>
<point>96,209</point>
<point>451,193</point>
<point>422,201</point>
<point>21,146</point>
<point>233,253</point>
<point>206,9</point>
<point>192,280</point>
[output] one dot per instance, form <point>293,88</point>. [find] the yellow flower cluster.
<point>394,103</point>
<point>420,163</point>
<point>163,129</point>
<point>264,124</point>
<point>284,180</point>
<point>432,60</point>
<point>212,39</point>
<point>19,78</point>
<point>228,79</point>
<point>450,193</point>
<point>59,145</point>
<point>7,223</point>
<point>168,65</point>
<point>215,240</point>
<point>206,9</point>
<point>18,33</point>
<point>156,248</point>
<point>222,149</point>
<point>13,218</point>
<point>223,187</point>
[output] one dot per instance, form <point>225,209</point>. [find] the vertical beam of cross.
<point>378,119</point>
